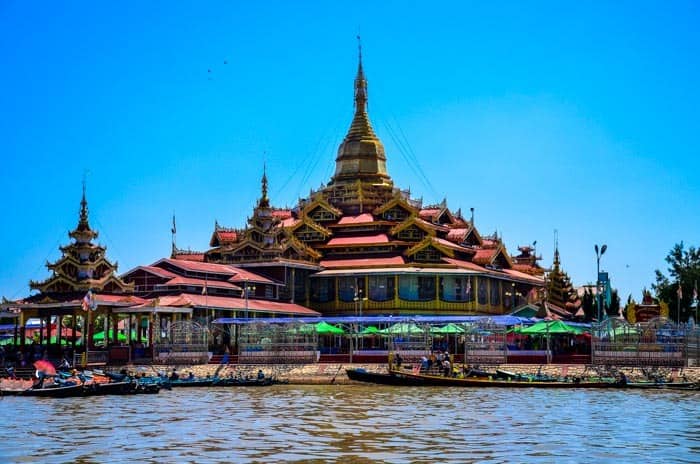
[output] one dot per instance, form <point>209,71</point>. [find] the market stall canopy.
<point>370,330</point>
<point>551,328</point>
<point>402,328</point>
<point>450,328</point>
<point>324,327</point>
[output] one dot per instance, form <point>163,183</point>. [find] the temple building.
<point>562,300</point>
<point>360,245</point>
<point>83,283</point>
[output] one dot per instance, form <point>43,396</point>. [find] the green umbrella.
<point>450,328</point>
<point>101,336</point>
<point>324,327</point>
<point>550,327</point>
<point>402,328</point>
<point>370,330</point>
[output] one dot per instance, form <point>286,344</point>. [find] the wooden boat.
<point>681,386</point>
<point>194,382</point>
<point>414,377</point>
<point>242,382</point>
<point>57,391</point>
<point>362,375</point>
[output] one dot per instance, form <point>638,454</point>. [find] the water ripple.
<point>355,424</point>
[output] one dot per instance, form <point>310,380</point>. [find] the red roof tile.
<point>453,246</point>
<point>235,303</point>
<point>457,235</point>
<point>195,257</point>
<point>282,213</point>
<point>158,271</point>
<point>484,255</point>
<point>362,240</point>
<point>227,236</point>
<point>243,275</point>
<point>201,283</point>
<point>465,264</point>
<point>360,219</point>
<point>428,213</point>
<point>199,266</point>
<point>523,276</point>
<point>290,222</point>
<point>106,298</point>
<point>368,262</point>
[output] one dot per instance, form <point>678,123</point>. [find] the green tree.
<point>588,305</point>
<point>684,270</point>
<point>614,309</point>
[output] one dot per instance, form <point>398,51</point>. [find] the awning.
<point>155,310</point>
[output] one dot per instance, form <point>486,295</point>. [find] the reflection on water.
<point>355,424</point>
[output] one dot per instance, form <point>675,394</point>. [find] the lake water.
<point>348,423</point>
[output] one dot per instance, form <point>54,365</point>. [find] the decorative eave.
<point>430,242</point>
<point>399,201</point>
<point>320,202</point>
<point>413,221</point>
<point>488,256</point>
<point>223,236</point>
<point>70,259</point>
<point>81,285</point>
<point>76,246</point>
<point>300,247</point>
<point>305,220</point>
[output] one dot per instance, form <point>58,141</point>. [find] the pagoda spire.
<point>361,154</point>
<point>83,233</point>
<point>264,202</point>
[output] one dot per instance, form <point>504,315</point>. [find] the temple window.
<point>416,288</point>
<point>453,288</point>
<point>346,288</point>
<point>322,290</point>
<point>495,292</point>
<point>411,233</point>
<point>395,214</point>
<point>483,291</point>
<point>428,254</point>
<point>381,288</point>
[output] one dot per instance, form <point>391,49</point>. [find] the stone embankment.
<point>331,373</point>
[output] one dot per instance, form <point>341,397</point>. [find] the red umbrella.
<point>46,367</point>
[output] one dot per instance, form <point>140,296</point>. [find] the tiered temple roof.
<point>359,220</point>
<point>562,301</point>
<point>83,266</point>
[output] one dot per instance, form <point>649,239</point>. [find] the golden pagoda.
<point>359,245</point>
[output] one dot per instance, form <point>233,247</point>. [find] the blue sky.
<point>580,117</point>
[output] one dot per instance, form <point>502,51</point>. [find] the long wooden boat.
<point>67,391</point>
<point>405,377</point>
<point>682,386</point>
<point>242,382</point>
<point>362,375</point>
<point>196,382</point>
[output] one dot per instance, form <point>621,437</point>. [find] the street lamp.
<point>598,254</point>
<point>247,288</point>
<point>358,302</point>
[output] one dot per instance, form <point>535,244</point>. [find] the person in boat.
<point>190,376</point>
<point>261,374</point>
<point>623,379</point>
<point>424,364</point>
<point>447,367</point>
<point>174,375</point>
<point>398,360</point>
<point>65,364</point>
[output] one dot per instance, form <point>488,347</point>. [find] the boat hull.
<point>407,378</point>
